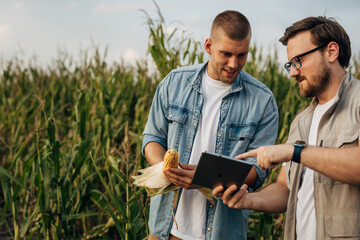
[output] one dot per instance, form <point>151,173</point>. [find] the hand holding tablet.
<point>214,169</point>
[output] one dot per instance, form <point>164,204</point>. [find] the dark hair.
<point>323,31</point>
<point>234,24</point>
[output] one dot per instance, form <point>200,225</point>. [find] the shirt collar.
<point>196,81</point>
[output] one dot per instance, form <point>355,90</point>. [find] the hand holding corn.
<point>156,182</point>
<point>182,176</point>
<point>153,178</point>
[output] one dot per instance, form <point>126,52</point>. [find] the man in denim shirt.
<point>213,107</point>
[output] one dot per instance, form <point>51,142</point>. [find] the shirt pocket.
<point>347,137</point>
<point>176,114</point>
<point>176,117</point>
<point>342,225</point>
<point>241,132</point>
<point>240,136</point>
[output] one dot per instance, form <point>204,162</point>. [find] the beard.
<point>319,84</point>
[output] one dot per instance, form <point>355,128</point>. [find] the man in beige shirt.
<point>319,182</point>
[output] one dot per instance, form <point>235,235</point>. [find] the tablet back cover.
<point>214,169</point>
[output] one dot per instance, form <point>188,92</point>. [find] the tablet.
<point>214,169</point>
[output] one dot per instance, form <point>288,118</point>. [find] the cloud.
<point>131,56</point>
<point>73,5</point>
<point>4,28</point>
<point>18,6</point>
<point>7,39</point>
<point>169,29</point>
<point>191,18</point>
<point>118,7</point>
<point>5,32</point>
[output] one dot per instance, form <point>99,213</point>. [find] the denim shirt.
<point>248,120</point>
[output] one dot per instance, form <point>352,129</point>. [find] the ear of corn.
<point>171,159</point>
<point>153,178</point>
<point>155,182</point>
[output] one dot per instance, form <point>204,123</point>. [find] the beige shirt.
<point>337,204</point>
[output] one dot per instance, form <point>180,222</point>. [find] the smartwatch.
<point>298,146</point>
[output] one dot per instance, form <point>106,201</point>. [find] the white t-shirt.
<point>305,209</point>
<point>191,211</point>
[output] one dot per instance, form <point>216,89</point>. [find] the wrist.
<point>252,201</point>
<point>298,147</point>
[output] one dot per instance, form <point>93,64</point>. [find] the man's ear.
<point>208,44</point>
<point>333,51</point>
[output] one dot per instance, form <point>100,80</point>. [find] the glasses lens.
<point>287,66</point>
<point>296,63</point>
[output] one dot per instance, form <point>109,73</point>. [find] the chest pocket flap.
<point>343,225</point>
<point>240,132</point>
<point>176,114</point>
<point>348,137</point>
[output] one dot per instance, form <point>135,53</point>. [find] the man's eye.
<point>227,54</point>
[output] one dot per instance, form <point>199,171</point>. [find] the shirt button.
<point>219,135</point>
<point>189,147</point>
<point>211,206</point>
<point>170,115</point>
<point>208,229</point>
<point>195,124</point>
<point>222,112</point>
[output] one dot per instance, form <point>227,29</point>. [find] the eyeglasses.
<point>295,61</point>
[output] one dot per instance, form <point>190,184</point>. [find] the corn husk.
<point>155,182</point>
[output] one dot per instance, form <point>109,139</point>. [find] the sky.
<point>43,28</point>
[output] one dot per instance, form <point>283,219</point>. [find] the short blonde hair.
<point>234,24</point>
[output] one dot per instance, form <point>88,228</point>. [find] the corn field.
<point>71,133</point>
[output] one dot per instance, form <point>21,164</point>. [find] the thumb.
<point>188,166</point>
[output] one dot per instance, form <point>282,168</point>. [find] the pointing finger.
<point>252,153</point>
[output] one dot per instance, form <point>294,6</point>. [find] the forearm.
<point>339,164</point>
<point>154,152</point>
<point>271,199</point>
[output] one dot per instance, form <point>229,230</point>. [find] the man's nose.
<point>293,71</point>
<point>233,62</point>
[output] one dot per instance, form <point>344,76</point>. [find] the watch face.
<point>299,142</point>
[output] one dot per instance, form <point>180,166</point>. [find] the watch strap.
<point>297,152</point>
